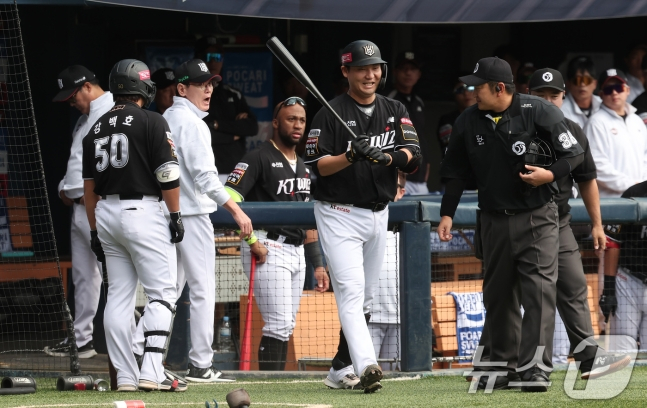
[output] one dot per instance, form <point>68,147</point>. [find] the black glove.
<point>376,156</point>
<point>358,148</point>
<point>95,245</point>
<point>608,300</point>
<point>176,227</point>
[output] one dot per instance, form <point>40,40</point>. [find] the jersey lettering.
<point>100,152</point>
<point>287,186</point>
<point>283,185</point>
<point>118,156</point>
<point>384,141</point>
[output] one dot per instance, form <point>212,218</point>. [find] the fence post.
<point>415,295</point>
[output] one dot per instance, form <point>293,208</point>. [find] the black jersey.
<point>388,127</point>
<point>494,151</point>
<point>584,172</point>
<point>124,148</point>
<point>264,174</point>
<point>632,238</point>
<point>415,106</point>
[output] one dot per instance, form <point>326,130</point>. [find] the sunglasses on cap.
<point>608,89</point>
<point>293,100</point>
<point>462,89</point>
<point>213,56</point>
<point>582,80</point>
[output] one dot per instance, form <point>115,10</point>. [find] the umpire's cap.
<point>489,69</point>
<point>360,53</point>
<point>132,77</point>
<point>547,78</point>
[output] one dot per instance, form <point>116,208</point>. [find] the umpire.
<point>519,224</point>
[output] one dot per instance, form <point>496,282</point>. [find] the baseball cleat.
<point>604,365</point>
<point>166,385</point>
<point>206,375</point>
<point>370,378</point>
<point>62,349</point>
<point>343,379</point>
<point>127,388</point>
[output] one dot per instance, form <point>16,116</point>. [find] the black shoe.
<point>501,382</point>
<point>535,380</point>
<point>62,349</point>
<point>603,365</point>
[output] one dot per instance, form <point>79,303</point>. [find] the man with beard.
<point>274,172</point>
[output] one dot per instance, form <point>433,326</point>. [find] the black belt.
<point>127,197</point>
<point>375,207</point>
<point>291,241</point>
<point>515,212</point>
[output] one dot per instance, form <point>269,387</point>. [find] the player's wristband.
<point>312,251</point>
<point>251,239</point>
<point>609,285</point>
<point>398,159</point>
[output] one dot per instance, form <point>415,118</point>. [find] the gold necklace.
<point>293,161</point>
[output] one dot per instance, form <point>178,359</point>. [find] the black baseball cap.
<point>407,57</point>
<point>163,77</point>
<point>547,78</point>
<point>70,80</point>
<point>194,71</point>
<point>361,53</point>
<point>611,73</point>
<point>489,69</point>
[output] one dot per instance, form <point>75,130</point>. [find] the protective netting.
<point>32,301</point>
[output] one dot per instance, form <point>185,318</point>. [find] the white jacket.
<point>574,113</point>
<point>619,149</point>
<point>200,188</point>
<point>72,182</point>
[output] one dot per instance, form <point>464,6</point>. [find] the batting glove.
<point>376,156</point>
<point>176,227</point>
<point>95,245</point>
<point>608,305</point>
<point>357,149</point>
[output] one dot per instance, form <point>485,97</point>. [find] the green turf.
<point>447,391</point>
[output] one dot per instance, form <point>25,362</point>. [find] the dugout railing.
<point>426,270</point>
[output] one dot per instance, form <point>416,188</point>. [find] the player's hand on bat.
<point>259,251</point>
<point>445,228</point>
<point>608,306</point>
<point>537,176</point>
<point>244,223</point>
<point>323,280</point>
<point>177,227</point>
<point>357,149</point>
<point>95,245</point>
<point>599,238</point>
<point>376,156</point>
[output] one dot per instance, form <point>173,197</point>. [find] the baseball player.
<point>625,281</point>
<point>201,191</point>
<point>274,172</point>
<point>356,179</point>
<point>385,307</point>
<point>129,163</point>
<point>80,88</point>
<point>519,221</point>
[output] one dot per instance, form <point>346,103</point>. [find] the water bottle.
<point>226,344</point>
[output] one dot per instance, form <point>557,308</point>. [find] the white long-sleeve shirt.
<point>72,182</point>
<point>200,188</point>
<point>619,149</point>
<point>573,112</point>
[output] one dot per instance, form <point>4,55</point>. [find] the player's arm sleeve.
<point>455,169</point>
<point>162,149</point>
<point>599,144</point>
<point>550,124</point>
<point>320,142</point>
<point>407,138</point>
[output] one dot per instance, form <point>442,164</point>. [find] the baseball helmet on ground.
<point>132,77</point>
<point>362,52</point>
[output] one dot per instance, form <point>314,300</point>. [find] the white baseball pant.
<point>630,321</point>
<point>354,240</point>
<point>136,239</point>
<point>387,343</point>
<point>278,284</point>
<point>86,276</point>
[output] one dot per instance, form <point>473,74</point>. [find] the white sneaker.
<point>206,375</point>
<point>343,379</point>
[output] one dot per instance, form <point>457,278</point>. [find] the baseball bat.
<point>111,368</point>
<point>288,61</point>
<point>246,344</point>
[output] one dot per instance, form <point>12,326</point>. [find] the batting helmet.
<point>539,154</point>
<point>362,52</point>
<point>132,77</point>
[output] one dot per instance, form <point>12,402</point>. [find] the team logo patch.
<point>351,123</point>
<point>169,75</point>
<point>390,120</point>
<point>348,57</point>
<point>314,133</point>
<point>312,146</point>
<point>368,50</point>
<point>60,83</point>
<point>277,164</point>
<point>409,132</point>
<point>480,140</point>
<point>117,107</point>
<point>614,131</point>
<point>519,148</point>
<point>612,72</point>
<point>203,67</point>
<point>237,173</point>
<point>565,141</point>
<point>547,77</point>
<point>171,143</point>
<point>145,74</point>
<point>406,121</point>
